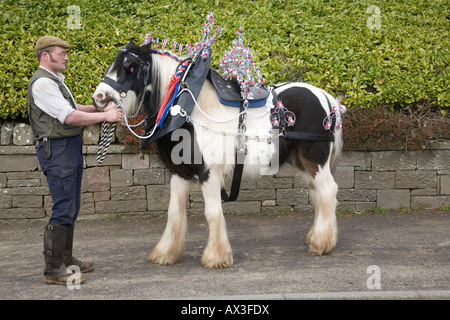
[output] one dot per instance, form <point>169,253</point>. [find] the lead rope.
<point>105,139</point>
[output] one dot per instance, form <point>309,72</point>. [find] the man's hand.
<point>111,105</point>
<point>113,115</point>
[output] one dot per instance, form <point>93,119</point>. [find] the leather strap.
<point>327,136</point>
<point>238,168</point>
<point>237,178</point>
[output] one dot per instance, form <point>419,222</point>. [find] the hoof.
<point>321,243</point>
<point>212,260</point>
<point>162,259</point>
<point>218,264</point>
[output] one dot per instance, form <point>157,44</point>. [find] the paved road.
<point>407,254</point>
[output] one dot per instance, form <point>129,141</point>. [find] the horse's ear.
<point>131,44</point>
<point>145,48</point>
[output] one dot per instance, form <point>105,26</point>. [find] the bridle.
<point>122,88</point>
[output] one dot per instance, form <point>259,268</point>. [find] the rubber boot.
<point>69,260</point>
<point>55,272</point>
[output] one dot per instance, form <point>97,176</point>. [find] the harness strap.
<point>326,136</point>
<point>121,88</point>
<point>308,136</point>
<point>237,178</point>
<point>274,96</point>
<point>238,168</point>
<point>333,119</point>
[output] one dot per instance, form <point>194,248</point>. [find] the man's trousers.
<point>64,171</point>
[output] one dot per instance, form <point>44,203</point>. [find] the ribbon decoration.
<point>164,44</point>
<point>200,48</point>
<point>174,86</point>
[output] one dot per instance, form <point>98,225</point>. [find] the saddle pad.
<point>229,92</point>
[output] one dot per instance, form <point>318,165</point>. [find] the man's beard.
<point>56,61</point>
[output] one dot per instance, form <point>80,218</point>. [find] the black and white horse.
<point>213,127</point>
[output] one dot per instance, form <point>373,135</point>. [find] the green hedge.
<point>395,54</point>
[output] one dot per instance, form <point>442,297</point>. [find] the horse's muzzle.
<point>104,101</point>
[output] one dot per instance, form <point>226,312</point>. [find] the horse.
<point>212,130</point>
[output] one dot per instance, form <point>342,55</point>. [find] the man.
<point>57,122</point>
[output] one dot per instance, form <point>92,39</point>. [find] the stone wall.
<point>127,185</point>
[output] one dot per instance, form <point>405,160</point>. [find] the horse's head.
<point>125,81</point>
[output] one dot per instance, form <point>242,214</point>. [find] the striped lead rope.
<point>105,139</point>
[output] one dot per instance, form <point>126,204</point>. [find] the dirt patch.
<point>384,128</point>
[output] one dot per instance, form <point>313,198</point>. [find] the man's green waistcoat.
<point>42,124</point>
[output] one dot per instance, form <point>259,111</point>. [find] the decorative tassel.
<point>238,63</point>
<point>202,46</point>
<point>282,117</point>
<point>335,115</point>
<point>164,44</point>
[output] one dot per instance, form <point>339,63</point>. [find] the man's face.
<point>57,58</point>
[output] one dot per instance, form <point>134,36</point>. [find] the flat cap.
<point>48,41</point>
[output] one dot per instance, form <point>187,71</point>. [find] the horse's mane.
<point>163,66</point>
